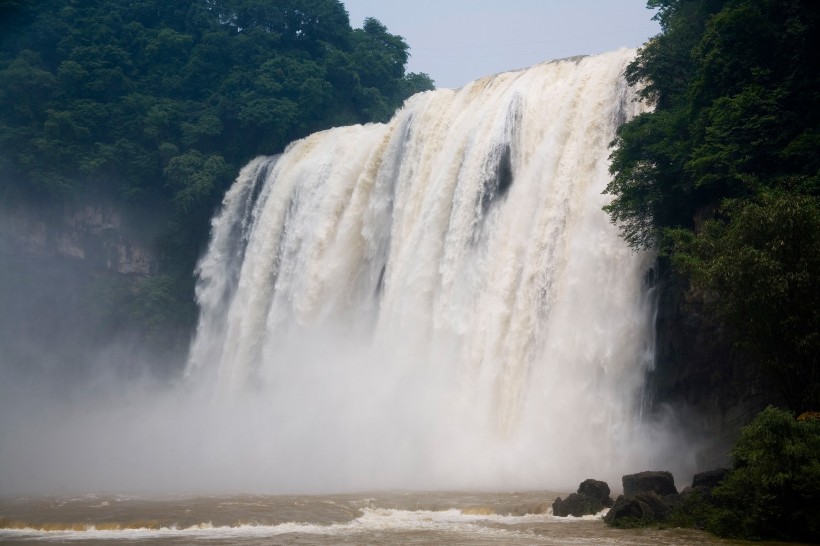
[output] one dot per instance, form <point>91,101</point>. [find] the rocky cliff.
<point>98,234</point>
<point>713,388</point>
<point>68,280</point>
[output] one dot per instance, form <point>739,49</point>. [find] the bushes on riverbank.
<point>771,492</point>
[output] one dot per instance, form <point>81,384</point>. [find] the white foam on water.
<point>371,520</point>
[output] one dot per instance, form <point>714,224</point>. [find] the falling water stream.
<point>434,309</point>
<point>439,300</point>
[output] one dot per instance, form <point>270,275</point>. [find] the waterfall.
<point>438,301</point>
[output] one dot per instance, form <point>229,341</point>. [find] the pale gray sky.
<point>457,41</point>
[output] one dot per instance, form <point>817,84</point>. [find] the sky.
<point>458,41</point>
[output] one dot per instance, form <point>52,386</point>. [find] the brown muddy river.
<point>373,518</point>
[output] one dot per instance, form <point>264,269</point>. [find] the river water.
<point>514,518</point>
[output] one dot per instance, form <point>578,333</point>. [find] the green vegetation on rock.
<point>724,178</point>
<point>773,490</point>
<point>724,174</point>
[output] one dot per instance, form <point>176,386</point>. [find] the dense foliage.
<point>773,490</point>
<point>136,96</point>
<point>156,104</point>
<point>724,174</point>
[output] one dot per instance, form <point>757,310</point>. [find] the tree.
<point>735,90</point>
<point>773,490</point>
<point>760,267</point>
<point>724,176</point>
<point>156,104</point>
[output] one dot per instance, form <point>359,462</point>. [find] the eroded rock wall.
<point>96,233</point>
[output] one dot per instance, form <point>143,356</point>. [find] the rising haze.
<point>436,302</point>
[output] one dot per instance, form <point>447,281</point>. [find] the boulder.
<point>704,482</point>
<point>658,510</point>
<point>642,508</point>
<point>649,497</point>
<point>575,505</point>
<point>591,498</point>
<point>625,509</point>
<point>596,489</point>
<point>660,482</point>
<point>674,500</point>
<point>709,480</point>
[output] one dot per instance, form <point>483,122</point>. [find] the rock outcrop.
<point>648,498</point>
<point>709,480</point>
<point>99,235</point>
<point>651,497</point>
<point>713,388</point>
<point>704,482</point>
<point>661,482</point>
<point>643,507</point>
<point>70,276</point>
<point>592,497</point>
<point>596,489</point>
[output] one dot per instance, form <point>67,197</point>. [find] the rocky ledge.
<point>651,497</point>
<point>592,497</point>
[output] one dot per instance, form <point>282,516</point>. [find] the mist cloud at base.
<point>438,302</point>
<point>352,431</point>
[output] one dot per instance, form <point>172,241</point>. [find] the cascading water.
<point>438,301</point>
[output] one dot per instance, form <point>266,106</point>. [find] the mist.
<point>433,303</point>
<point>338,425</point>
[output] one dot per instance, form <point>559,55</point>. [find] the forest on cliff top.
<point>724,174</point>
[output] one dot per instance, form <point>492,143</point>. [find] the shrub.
<point>773,491</point>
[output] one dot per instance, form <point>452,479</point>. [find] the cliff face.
<point>98,235</point>
<point>713,388</point>
<point>68,274</point>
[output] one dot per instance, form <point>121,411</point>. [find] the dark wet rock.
<point>660,482</point>
<point>674,500</point>
<point>643,508</point>
<point>575,505</point>
<point>704,482</point>
<point>709,480</point>
<point>649,497</point>
<point>658,509</point>
<point>591,498</point>
<point>596,489</point>
<point>624,509</point>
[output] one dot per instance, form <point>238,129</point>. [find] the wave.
<point>371,520</point>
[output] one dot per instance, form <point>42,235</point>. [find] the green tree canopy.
<point>157,104</point>
<point>773,490</point>
<point>726,166</point>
